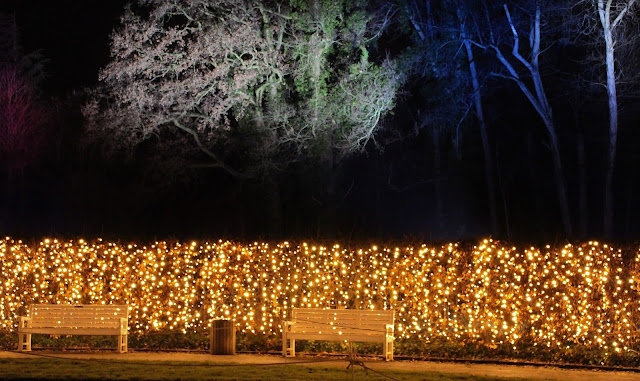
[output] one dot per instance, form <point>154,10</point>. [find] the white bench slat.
<point>77,317</point>
<point>78,320</point>
<point>69,315</point>
<point>61,319</point>
<point>67,325</point>
<point>78,313</point>
<point>343,330</point>
<point>79,307</point>
<point>336,337</point>
<point>339,325</point>
<point>72,331</point>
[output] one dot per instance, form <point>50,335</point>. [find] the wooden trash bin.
<point>222,338</point>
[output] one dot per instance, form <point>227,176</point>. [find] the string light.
<point>585,294</point>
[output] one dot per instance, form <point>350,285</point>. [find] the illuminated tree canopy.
<point>244,86</point>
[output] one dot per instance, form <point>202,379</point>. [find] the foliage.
<point>169,340</point>
<point>244,86</point>
<point>573,303</point>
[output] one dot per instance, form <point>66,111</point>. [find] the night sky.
<point>416,184</point>
<point>73,36</point>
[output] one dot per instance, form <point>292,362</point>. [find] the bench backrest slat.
<point>345,321</point>
<point>86,316</point>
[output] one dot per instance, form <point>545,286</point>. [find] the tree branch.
<point>516,41</point>
<point>217,162</point>
<point>622,13</point>
<point>415,24</point>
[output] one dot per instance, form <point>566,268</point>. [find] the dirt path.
<point>507,371</point>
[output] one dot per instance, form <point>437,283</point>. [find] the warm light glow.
<point>579,294</point>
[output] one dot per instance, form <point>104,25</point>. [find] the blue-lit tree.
<point>516,42</point>
<point>606,21</point>
<point>443,85</point>
<point>489,166</point>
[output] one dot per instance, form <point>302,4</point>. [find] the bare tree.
<point>446,84</point>
<point>489,168</point>
<point>610,16</point>
<point>530,83</point>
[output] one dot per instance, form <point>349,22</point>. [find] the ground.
<point>489,370</point>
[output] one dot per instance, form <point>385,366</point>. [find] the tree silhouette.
<point>22,121</point>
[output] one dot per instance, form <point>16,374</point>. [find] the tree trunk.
<point>381,170</point>
<point>330,224</point>
<point>437,171</point>
<point>534,180</point>
<point>5,214</point>
<point>328,215</point>
<point>629,206</point>
<point>477,99</point>
<point>430,22</point>
<point>583,209</point>
<point>503,194</point>
<point>613,130</point>
<point>275,221</point>
<point>242,212</point>
<point>539,102</point>
<point>559,180</point>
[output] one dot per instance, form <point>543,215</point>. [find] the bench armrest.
<point>24,322</point>
<point>390,330</point>
<point>123,326</point>
<point>287,325</point>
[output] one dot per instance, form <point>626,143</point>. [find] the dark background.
<point>384,194</point>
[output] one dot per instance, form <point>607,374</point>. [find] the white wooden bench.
<point>78,319</point>
<point>338,325</point>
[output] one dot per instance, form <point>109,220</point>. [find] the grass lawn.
<point>72,369</point>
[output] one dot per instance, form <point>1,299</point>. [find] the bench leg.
<point>122,344</point>
<point>288,350</point>
<point>388,349</point>
<point>24,342</point>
